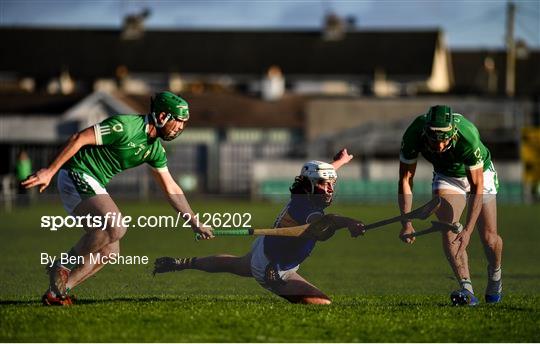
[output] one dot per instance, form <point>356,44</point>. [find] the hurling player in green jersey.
<point>462,166</point>
<point>85,166</point>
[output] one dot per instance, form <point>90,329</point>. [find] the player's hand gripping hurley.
<point>437,226</point>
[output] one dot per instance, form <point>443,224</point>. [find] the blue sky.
<point>468,24</point>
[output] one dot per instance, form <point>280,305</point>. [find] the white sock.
<point>466,283</point>
<point>494,274</point>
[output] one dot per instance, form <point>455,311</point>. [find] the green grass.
<point>382,289</point>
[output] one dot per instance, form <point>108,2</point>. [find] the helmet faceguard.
<point>173,106</point>
<point>318,172</point>
<point>168,136</point>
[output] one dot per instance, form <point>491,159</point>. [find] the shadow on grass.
<point>77,301</point>
<point>19,302</point>
<point>96,301</point>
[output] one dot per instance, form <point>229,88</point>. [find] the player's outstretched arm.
<point>323,227</point>
<point>405,197</point>
<point>341,158</point>
<point>75,143</point>
<point>354,226</point>
<point>179,202</point>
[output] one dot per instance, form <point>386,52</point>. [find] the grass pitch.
<point>383,290</point>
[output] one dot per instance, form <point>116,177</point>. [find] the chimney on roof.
<point>334,27</point>
<point>273,84</point>
<point>133,26</point>
<point>491,74</point>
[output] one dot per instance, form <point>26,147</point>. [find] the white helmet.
<point>316,170</point>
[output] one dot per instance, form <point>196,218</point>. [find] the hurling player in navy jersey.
<point>273,260</point>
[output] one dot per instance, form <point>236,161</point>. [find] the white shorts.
<point>259,263</point>
<point>72,192</point>
<point>460,185</point>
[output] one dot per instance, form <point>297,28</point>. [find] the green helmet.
<point>440,123</point>
<point>173,105</point>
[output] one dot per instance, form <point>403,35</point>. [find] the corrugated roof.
<point>96,53</point>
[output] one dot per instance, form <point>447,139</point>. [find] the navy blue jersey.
<point>288,252</point>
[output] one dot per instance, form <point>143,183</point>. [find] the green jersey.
<point>466,151</point>
<point>122,142</point>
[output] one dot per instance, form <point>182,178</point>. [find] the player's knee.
<point>447,243</point>
<point>115,233</point>
<point>489,235</point>
<point>490,238</point>
<point>113,248</point>
<point>244,266</point>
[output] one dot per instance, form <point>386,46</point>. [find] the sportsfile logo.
<point>113,219</point>
<point>53,223</point>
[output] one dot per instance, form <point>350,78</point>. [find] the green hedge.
<point>378,191</point>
